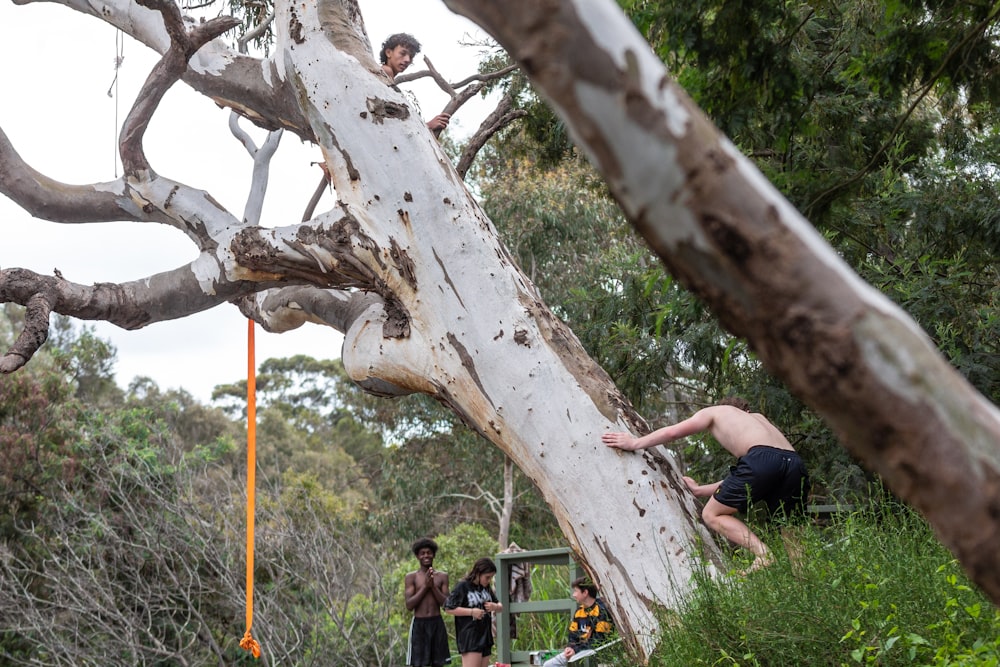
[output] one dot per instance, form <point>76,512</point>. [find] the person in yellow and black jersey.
<point>591,625</point>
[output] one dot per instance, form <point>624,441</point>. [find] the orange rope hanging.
<point>248,643</point>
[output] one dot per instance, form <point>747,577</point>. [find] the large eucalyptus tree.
<point>409,268</point>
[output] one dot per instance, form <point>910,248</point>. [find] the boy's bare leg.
<point>722,519</point>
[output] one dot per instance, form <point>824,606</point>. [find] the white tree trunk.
<point>482,342</point>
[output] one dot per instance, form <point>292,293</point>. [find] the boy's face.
<point>398,59</point>
<point>579,595</point>
<point>425,556</point>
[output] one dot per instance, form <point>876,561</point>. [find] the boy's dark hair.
<point>424,543</point>
<point>585,584</point>
<point>479,568</point>
<point>399,39</point>
<point>736,402</point>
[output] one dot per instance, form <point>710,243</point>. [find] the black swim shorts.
<point>776,476</point>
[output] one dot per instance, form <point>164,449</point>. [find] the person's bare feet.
<point>758,563</point>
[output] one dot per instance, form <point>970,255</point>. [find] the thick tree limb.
<point>48,199</point>
<point>283,309</point>
<point>172,65</point>
<point>32,337</point>
<point>131,305</point>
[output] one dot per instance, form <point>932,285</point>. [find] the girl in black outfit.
<point>471,602</point>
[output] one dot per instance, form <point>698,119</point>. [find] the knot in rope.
<point>248,643</point>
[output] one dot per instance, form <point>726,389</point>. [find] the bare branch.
<point>131,305</point>
<point>34,335</point>
<point>261,167</point>
<point>321,188</point>
<point>440,80</point>
<point>501,117</point>
<point>49,199</point>
<point>250,86</point>
<point>458,99</point>
<point>484,77</point>
<point>255,33</point>
<point>165,74</point>
<point>192,211</point>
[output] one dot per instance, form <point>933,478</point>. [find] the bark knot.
<point>382,109</point>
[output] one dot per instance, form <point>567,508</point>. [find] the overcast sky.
<point>62,105</point>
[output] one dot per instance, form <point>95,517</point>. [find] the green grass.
<point>873,588</point>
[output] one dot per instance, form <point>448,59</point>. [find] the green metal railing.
<point>505,563</point>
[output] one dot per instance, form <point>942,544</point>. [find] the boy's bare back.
<point>738,431</point>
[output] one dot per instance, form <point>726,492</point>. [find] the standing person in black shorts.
<point>767,465</point>
<point>425,591</point>
<point>471,602</point>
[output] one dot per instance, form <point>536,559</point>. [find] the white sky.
<point>57,73</point>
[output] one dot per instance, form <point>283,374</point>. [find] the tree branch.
<point>500,118</point>
<point>261,167</point>
<point>166,73</point>
<point>131,305</point>
<point>49,199</point>
<point>250,86</point>
<point>285,308</point>
<point>32,337</point>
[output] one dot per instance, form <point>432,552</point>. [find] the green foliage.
<point>877,121</point>
<point>462,546</point>
<point>430,485</point>
<point>37,423</point>
<point>114,554</point>
<point>190,423</point>
<point>875,587</point>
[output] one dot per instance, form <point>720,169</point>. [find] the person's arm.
<point>440,588</point>
<point>453,606</point>
<point>701,490</point>
<point>698,422</point>
<point>413,593</point>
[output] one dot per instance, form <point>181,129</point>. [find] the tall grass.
<point>873,588</point>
